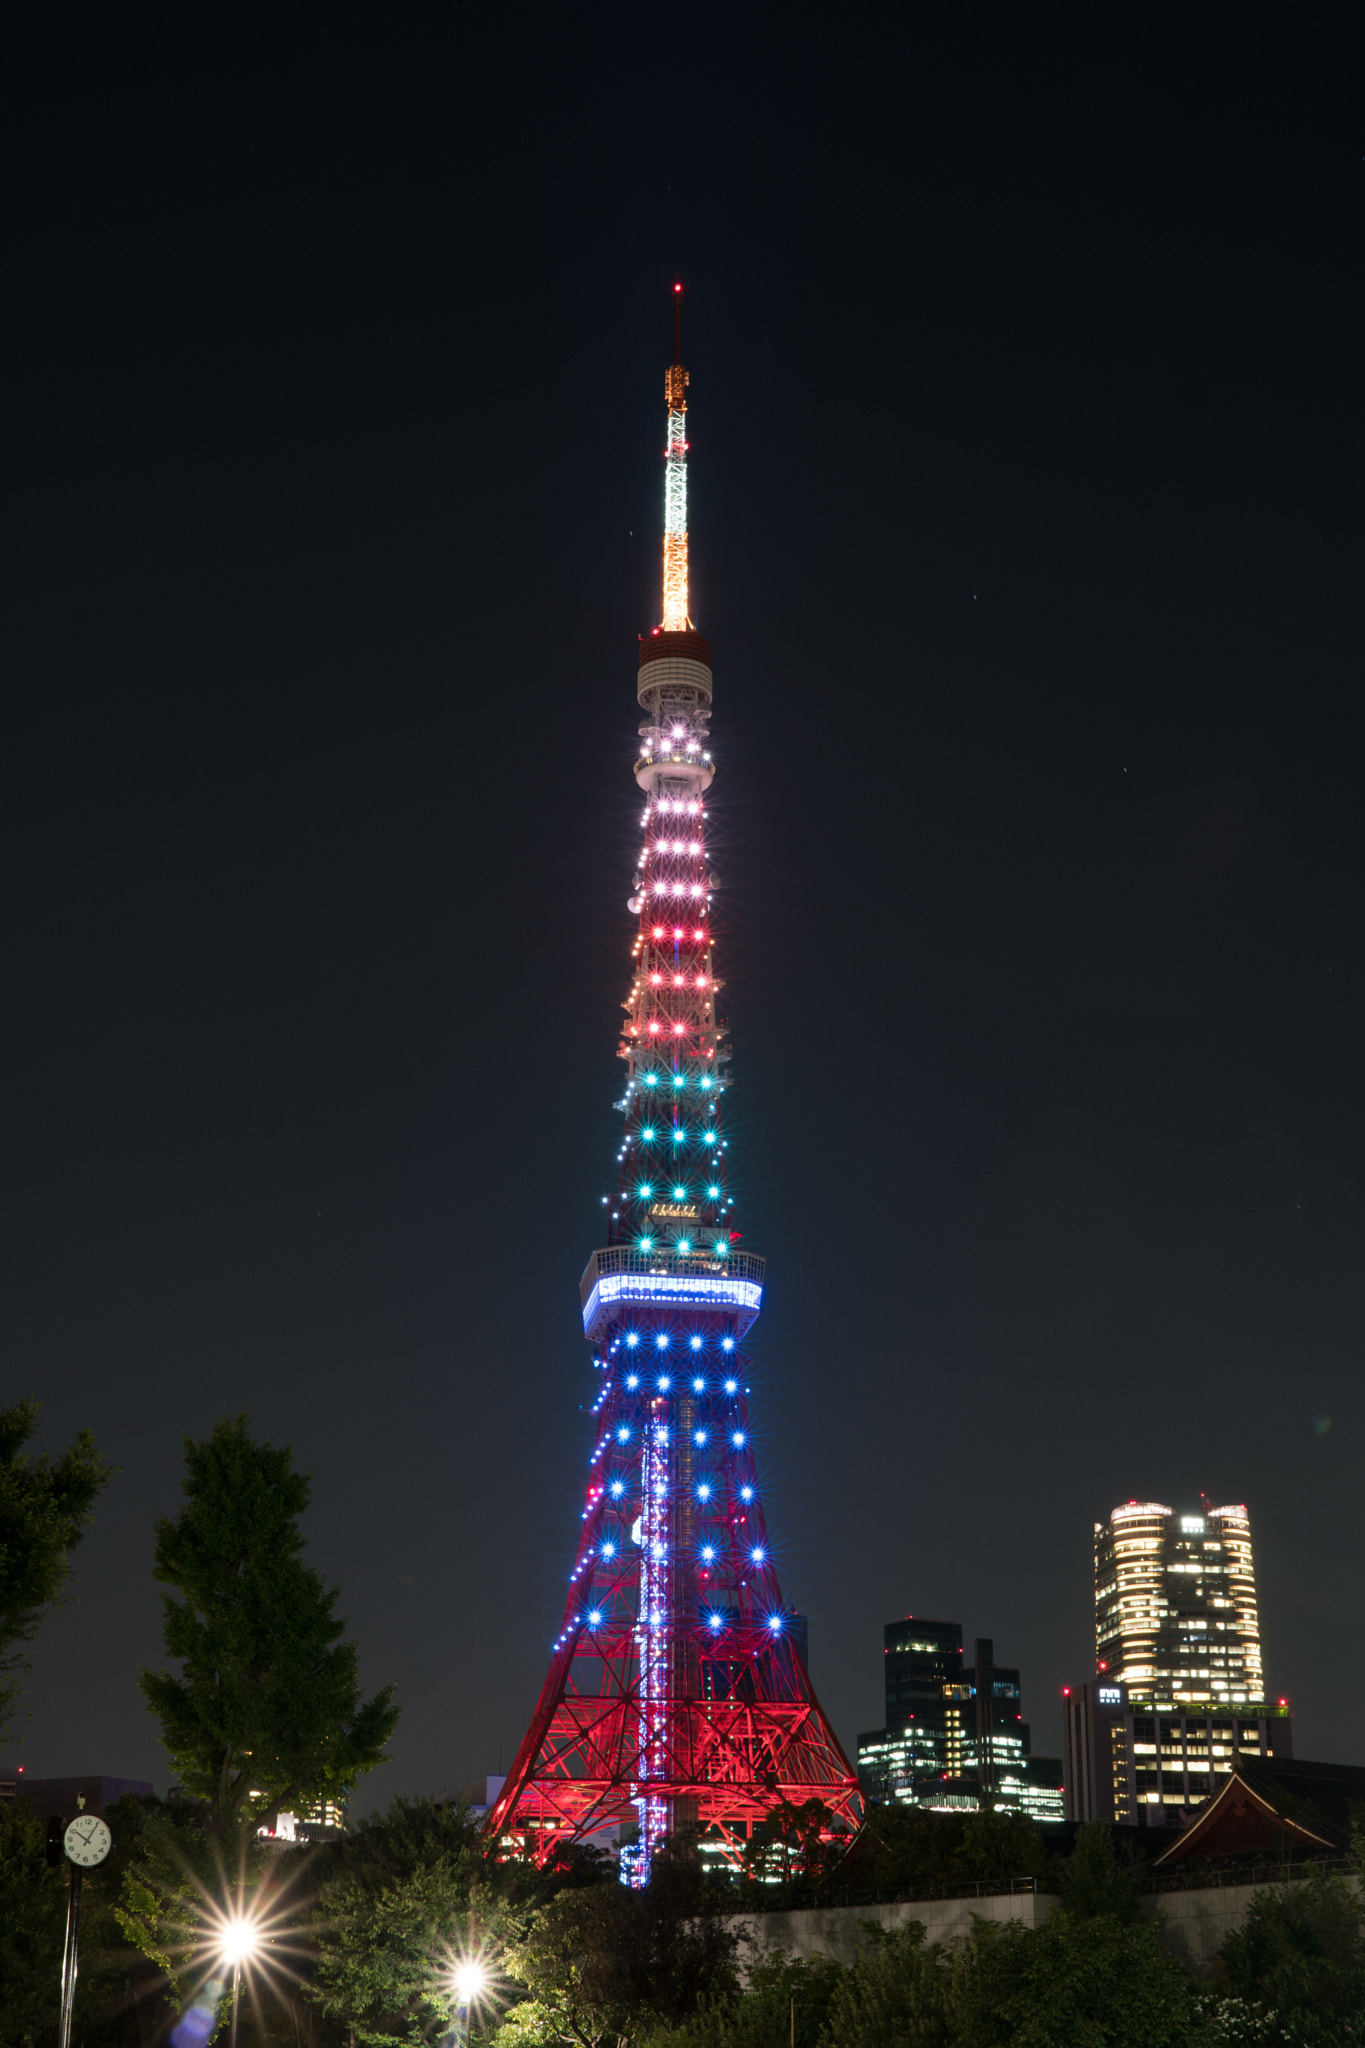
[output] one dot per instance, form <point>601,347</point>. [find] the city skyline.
<point>1025,519</point>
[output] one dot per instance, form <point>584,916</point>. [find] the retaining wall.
<point>1195,1922</point>
<point>837,1931</point>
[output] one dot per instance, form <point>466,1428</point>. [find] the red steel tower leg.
<point>676,1696</point>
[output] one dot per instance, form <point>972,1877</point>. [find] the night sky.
<point>1026,527</point>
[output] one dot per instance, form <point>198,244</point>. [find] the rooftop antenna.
<point>675,616</point>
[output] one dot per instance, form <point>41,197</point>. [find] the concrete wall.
<point>837,1931</point>
<point>1194,1923</point>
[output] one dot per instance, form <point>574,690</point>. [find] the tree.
<point>785,1997</point>
<point>402,1898</point>
<point>267,1712</point>
<point>901,1989</point>
<point>1076,1982</point>
<point>1091,1879</point>
<point>1301,1948</point>
<point>796,1843</point>
<point>930,1854</point>
<point>606,1966</point>
<point>45,1508</point>
<point>32,1917</point>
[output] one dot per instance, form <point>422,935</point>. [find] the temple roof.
<point>1261,1805</point>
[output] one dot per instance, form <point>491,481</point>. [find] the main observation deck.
<point>619,1276</point>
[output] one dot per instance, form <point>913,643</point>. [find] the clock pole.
<point>73,1926</point>
<point>84,1843</point>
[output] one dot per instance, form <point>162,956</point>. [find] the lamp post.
<point>237,1944</point>
<point>469,1980</point>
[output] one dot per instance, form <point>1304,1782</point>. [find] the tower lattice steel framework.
<point>676,1695</point>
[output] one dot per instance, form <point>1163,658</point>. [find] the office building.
<point>67,1796</point>
<point>955,1737</point>
<point>1097,1753</point>
<point>1129,1764</point>
<point>1175,1606</point>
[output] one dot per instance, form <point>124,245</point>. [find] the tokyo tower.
<point>676,1696</point>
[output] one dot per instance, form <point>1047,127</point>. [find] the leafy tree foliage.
<point>1301,1949</point>
<point>785,1997</point>
<point>45,1505</point>
<point>1080,1981</point>
<point>606,1966</point>
<point>178,1883</point>
<point>267,1712</point>
<point>927,1854</point>
<point>902,1989</point>
<point>399,1902</point>
<point>32,1918</point>
<point>795,1844</point>
<point>1092,1880</point>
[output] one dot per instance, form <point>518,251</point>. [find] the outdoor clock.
<point>87,1841</point>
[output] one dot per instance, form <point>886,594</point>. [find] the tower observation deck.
<point>676,1696</point>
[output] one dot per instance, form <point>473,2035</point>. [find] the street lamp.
<point>237,1943</point>
<point>469,1980</point>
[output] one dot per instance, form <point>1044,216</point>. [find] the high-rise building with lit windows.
<point>1132,1765</point>
<point>678,1696</point>
<point>1175,1605</point>
<point>955,1735</point>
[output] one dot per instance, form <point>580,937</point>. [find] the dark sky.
<point>1026,523</point>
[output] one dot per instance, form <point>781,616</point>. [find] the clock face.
<point>87,1841</point>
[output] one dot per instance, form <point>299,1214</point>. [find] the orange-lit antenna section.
<point>675,619</point>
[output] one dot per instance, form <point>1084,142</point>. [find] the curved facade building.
<point>1175,1605</point>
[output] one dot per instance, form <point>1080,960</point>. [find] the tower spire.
<point>675,618</point>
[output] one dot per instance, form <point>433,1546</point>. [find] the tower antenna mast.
<point>675,615</point>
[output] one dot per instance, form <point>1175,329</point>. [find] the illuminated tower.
<point>1175,1605</point>
<point>676,1695</point>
